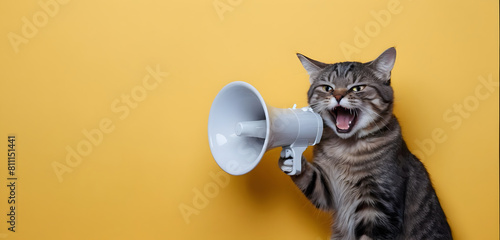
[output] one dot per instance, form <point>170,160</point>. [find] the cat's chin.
<point>334,130</point>
<point>344,135</point>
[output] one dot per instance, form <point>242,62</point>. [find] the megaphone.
<point>241,128</point>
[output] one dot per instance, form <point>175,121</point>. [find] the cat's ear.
<point>312,66</point>
<point>383,64</point>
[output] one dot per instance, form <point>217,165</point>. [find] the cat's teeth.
<point>350,122</point>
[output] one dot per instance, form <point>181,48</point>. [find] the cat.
<point>362,170</point>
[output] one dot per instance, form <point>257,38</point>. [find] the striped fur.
<point>367,177</point>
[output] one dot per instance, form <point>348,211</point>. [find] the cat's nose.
<point>339,93</point>
<point>338,97</point>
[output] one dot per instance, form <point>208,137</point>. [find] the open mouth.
<point>344,118</point>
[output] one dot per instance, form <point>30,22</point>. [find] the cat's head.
<point>353,98</point>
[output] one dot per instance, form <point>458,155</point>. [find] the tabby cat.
<point>363,171</point>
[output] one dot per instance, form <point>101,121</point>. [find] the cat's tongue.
<point>344,118</point>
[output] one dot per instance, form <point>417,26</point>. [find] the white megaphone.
<point>241,128</point>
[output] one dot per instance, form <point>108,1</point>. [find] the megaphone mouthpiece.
<point>251,129</point>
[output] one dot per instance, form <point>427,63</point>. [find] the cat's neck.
<point>390,128</point>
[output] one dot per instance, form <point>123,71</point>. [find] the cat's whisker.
<point>371,113</point>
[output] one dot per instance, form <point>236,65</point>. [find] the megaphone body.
<point>241,128</point>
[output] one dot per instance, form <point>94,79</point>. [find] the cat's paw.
<point>286,161</point>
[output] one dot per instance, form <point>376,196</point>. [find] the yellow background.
<point>66,76</point>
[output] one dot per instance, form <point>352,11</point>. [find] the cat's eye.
<point>327,88</point>
<point>358,88</point>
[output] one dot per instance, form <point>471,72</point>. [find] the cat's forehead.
<point>343,73</point>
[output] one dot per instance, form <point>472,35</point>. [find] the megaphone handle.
<point>296,154</point>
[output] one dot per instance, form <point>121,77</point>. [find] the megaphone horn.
<point>241,128</point>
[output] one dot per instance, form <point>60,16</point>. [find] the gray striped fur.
<point>367,177</point>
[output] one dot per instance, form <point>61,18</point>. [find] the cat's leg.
<point>312,181</point>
